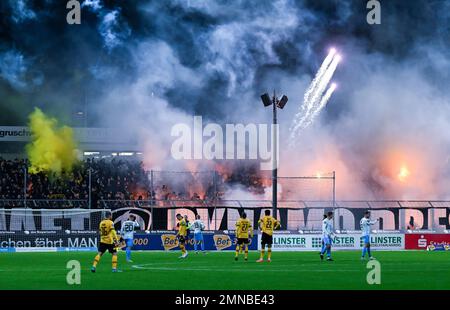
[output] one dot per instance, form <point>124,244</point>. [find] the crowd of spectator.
<point>119,179</point>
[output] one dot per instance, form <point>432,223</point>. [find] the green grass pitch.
<point>218,270</point>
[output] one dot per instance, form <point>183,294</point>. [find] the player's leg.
<point>129,245</point>
<point>261,255</point>
<point>196,241</point>
<point>114,262</point>
<point>101,251</point>
<point>269,241</point>
<point>329,249</point>
<point>364,249</point>
<point>263,247</point>
<point>202,243</point>
<point>323,248</point>
<point>369,252</point>
<point>182,242</point>
<point>238,248</point>
<point>269,252</point>
<point>246,252</point>
<point>96,260</point>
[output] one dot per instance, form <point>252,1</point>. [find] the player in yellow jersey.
<point>108,241</point>
<point>181,235</point>
<point>267,225</point>
<point>243,229</point>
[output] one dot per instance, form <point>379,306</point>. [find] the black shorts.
<point>242,241</point>
<point>103,247</point>
<point>181,239</point>
<point>266,239</point>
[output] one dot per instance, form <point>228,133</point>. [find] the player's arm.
<point>277,224</point>
<point>238,225</point>
<point>189,226</point>
<point>260,224</point>
<point>250,230</point>
<point>373,222</point>
<point>114,235</point>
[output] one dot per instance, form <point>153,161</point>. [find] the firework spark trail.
<point>323,84</point>
<point>323,103</point>
<point>313,100</point>
<point>307,103</point>
<point>323,68</point>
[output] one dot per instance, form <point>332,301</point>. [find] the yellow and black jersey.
<point>243,228</point>
<point>182,228</point>
<point>108,234</point>
<point>268,224</point>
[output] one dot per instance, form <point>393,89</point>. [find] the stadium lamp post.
<point>276,103</point>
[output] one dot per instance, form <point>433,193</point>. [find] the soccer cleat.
<point>321,256</point>
<point>246,258</point>
<point>372,258</point>
<point>93,269</point>
<point>184,255</point>
<point>116,270</point>
<point>236,258</point>
<point>129,261</point>
<point>260,260</point>
<point>269,260</point>
<point>330,259</point>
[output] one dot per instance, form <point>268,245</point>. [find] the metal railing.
<point>394,215</point>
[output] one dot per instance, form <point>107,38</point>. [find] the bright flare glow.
<point>403,173</point>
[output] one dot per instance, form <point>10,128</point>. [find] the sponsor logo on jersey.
<point>222,242</point>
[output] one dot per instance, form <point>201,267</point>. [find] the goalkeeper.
<point>108,242</point>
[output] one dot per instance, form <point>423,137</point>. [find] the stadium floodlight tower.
<point>276,103</point>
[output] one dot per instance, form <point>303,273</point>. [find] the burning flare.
<point>403,173</point>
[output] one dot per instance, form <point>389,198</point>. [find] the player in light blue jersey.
<point>365,224</point>
<point>327,235</point>
<point>127,233</point>
<point>198,228</point>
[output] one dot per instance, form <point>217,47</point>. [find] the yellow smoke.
<point>52,149</point>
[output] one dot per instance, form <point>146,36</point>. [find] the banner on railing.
<point>167,240</point>
<point>313,242</point>
<point>427,241</point>
<point>88,241</point>
<point>14,241</point>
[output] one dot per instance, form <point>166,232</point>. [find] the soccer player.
<point>108,242</point>
<point>127,233</point>
<point>181,235</point>
<point>188,231</point>
<point>267,224</point>
<point>365,224</point>
<point>327,234</point>
<point>243,229</point>
<point>198,227</point>
<point>323,243</point>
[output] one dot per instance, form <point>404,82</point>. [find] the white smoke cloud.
<point>392,114</point>
<point>20,11</point>
<point>13,68</point>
